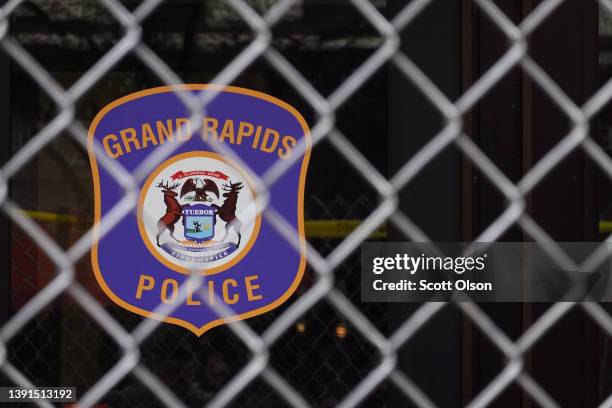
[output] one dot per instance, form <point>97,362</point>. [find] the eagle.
<point>201,187</point>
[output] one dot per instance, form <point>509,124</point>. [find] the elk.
<point>227,210</point>
<point>173,210</point>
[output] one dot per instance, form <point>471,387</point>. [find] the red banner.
<point>216,174</point>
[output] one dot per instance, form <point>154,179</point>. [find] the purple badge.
<point>196,209</point>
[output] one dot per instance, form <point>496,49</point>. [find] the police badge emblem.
<point>191,190</point>
<point>196,209</point>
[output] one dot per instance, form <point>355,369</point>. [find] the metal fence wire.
<point>253,362</point>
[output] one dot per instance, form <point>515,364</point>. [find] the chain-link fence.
<point>323,348</point>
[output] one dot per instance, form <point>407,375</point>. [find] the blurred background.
<point>388,120</point>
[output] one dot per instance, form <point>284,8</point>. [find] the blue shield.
<point>199,222</point>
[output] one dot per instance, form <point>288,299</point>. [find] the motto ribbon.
<point>217,174</point>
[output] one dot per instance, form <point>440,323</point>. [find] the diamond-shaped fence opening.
<point>87,26</point>
<point>324,354</point>
<point>344,43</point>
<point>62,330</point>
<point>260,394</point>
<point>213,34</point>
<point>192,367</point>
<point>489,70</point>
<point>549,345</point>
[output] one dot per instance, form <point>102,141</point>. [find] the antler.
<point>165,186</point>
<point>232,186</point>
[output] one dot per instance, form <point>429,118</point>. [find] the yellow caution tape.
<point>338,229</point>
<point>605,226</point>
<point>51,217</point>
